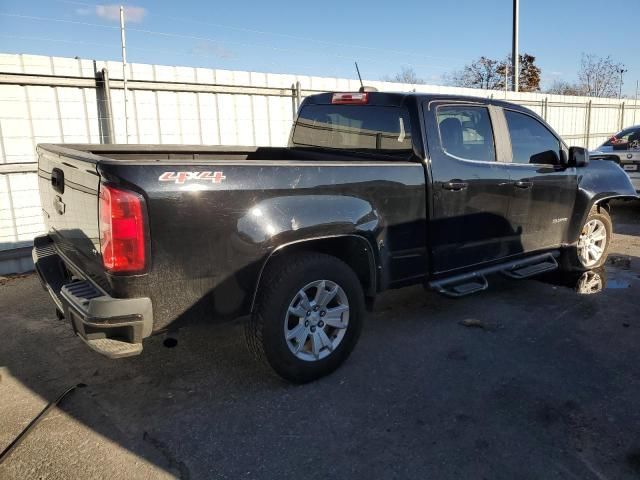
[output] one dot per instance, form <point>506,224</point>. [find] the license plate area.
<point>630,168</point>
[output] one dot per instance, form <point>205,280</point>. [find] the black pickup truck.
<point>375,191</point>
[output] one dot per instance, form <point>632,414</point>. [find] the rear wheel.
<point>308,316</point>
<point>592,248</point>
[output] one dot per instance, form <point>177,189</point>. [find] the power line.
<point>308,39</point>
<point>253,45</point>
<point>59,20</point>
<point>283,35</point>
<point>208,39</point>
<point>57,40</point>
<point>191,53</point>
<point>199,38</point>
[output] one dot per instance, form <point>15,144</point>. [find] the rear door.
<point>470,187</point>
<point>543,191</point>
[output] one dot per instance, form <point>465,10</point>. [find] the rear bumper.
<point>113,327</point>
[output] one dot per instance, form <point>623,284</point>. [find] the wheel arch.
<point>355,250</point>
<point>589,203</point>
<point>598,183</point>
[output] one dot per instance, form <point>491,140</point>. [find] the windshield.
<point>628,138</point>
<point>359,128</point>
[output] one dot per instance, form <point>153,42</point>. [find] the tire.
<point>597,225</point>
<point>279,332</point>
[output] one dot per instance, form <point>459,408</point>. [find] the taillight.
<point>351,98</point>
<point>122,230</point>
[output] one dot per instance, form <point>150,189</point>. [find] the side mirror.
<point>578,157</point>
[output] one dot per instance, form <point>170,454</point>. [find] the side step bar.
<point>530,269</point>
<point>468,283</point>
<point>461,285</point>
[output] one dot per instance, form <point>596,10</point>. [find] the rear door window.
<point>359,128</point>
<point>531,142</point>
<point>466,132</point>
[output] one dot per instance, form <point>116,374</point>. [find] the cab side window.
<point>466,132</point>
<point>531,141</point>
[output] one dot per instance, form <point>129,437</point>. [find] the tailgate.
<point>68,187</point>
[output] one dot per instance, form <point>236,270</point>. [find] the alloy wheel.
<point>592,242</point>
<point>316,320</point>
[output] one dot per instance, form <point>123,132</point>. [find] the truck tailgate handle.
<point>455,185</point>
<point>57,180</point>
<point>523,184</point>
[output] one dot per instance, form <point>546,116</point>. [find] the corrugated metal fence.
<point>52,99</point>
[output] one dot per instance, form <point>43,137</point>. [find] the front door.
<point>543,191</point>
<point>470,187</point>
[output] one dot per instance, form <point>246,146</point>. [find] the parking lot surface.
<point>526,380</point>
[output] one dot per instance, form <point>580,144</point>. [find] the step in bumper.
<point>111,326</point>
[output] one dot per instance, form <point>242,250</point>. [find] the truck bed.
<point>197,153</point>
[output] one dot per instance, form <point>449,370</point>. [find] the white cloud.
<point>211,49</point>
<point>112,12</point>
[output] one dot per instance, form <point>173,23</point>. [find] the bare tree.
<point>482,73</point>
<point>406,75</point>
<point>489,74</point>
<point>599,76</point>
<point>560,87</point>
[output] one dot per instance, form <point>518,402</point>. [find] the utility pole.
<point>515,57</point>
<point>636,102</point>
<point>506,79</point>
<point>621,71</point>
<point>123,41</point>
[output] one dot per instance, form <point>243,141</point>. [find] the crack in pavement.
<point>174,463</point>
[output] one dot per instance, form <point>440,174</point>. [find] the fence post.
<point>546,108</point>
<point>294,96</point>
<point>588,129</point>
<point>621,116</point>
<point>105,115</point>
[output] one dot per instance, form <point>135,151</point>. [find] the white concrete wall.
<point>33,114</point>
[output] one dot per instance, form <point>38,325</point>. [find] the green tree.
<point>529,73</point>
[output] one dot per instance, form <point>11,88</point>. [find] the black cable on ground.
<point>18,440</point>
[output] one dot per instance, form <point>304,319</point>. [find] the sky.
<point>324,38</point>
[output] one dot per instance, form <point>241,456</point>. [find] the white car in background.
<point>624,149</point>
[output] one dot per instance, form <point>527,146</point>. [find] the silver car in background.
<point>624,149</point>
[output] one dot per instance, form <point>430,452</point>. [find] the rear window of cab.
<point>377,129</point>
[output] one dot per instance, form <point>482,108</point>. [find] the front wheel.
<point>592,248</point>
<point>308,316</point>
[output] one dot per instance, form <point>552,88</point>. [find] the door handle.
<point>455,185</point>
<point>523,184</point>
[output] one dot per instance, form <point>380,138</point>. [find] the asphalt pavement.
<point>529,379</point>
